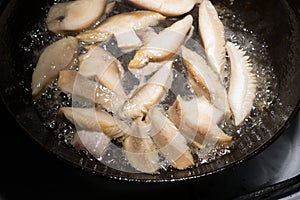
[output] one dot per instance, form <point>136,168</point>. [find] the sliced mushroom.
<point>71,82</point>
<point>243,84</point>
<point>198,121</point>
<point>149,94</point>
<point>100,63</point>
<point>56,57</point>
<point>204,80</point>
<point>166,7</point>
<point>74,15</point>
<point>164,46</point>
<point>93,119</point>
<point>128,41</point>
<point>140,150</point>
<point>170,142</point>
<point>147,70</point>
<point>146,34</point>
<point>122,26</point>
<point>94,142</point>
<point>213,36</point>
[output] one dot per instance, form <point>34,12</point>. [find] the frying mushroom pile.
<point>136,115</point>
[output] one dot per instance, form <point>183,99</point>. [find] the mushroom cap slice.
<point>170,142</point>
<point>242,86</point>
<point>80,87</point>
<point>213,36</point>
<point>148,94</point>
<point>121,23</point>
<point>74,15</point>
<point>166,7</point>
<point>204,80</point>
<point>100,63</point>
<point>198,120</point>
<point>140,150</point>
<point>93,119</point>
<point>56,57</point>
<point>164,46</point>
<point>94,142</point>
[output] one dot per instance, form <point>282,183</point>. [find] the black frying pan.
<point>276,23</point>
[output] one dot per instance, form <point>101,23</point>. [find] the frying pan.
<point>276,23</point>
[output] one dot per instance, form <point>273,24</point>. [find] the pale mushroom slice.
<point>146,34</point>
<point>128,41</point>
<point>166,7</point>
<point>95,142</point>
<point>80,87</point>
<point>100,63</point>
<point>148,94</point>
<point>198,120</point>
<point>147,70</point>
<point>168,139</point>
<point>140,150</point>
<point>56,57</point>
<point>123,27</point>
<point>204,81</point>
<point>164,46</point>
<point>74,15</point>
<point>212,34</point>
<point>243,83</point>
<point>94,119</point>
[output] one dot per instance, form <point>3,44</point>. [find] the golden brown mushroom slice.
<point>205,82</point>
<point>100,63</point>
<point>198,121</point>
<point>80,87</point>
<point>166,7</point>
<point>148,94</point>
<point>94,119</point>
<point>164,46</point>
<point>170,142</point>
<point>56,57</point>
<point>74,15</point>
<point>243,84</point>
<point>123,27</point>
<point>140,150</point>
<point>213,36</point>
<point>94,142</point>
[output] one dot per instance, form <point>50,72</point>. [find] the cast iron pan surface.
<point>275,23</point>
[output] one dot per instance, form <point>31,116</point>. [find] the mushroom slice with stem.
<point>164,46</point>
<point>56,57</point>
<point>94,142</point>
<point>242,86</point>
<point>94,119</point>
<point>166,7</point>
<point>148,94</point>
<point>100,63</point>
<point>140,150</point>
<point>80,87</point>
<point>198,121</point>
<point>205,82</point>
<point>170,142</point>
<point>74,15</point>
<point>213,36</point>
<point>123,27</point>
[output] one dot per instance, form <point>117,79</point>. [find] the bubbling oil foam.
<point>52,99</point>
